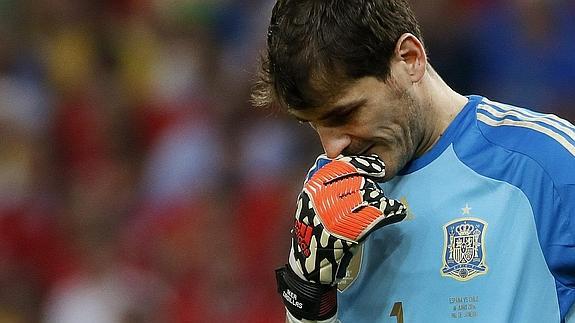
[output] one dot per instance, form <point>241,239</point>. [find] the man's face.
<point>371,117</point>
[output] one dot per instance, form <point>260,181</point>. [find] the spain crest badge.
<point>464,249</point>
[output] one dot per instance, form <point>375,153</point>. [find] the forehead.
<point>355,93</point>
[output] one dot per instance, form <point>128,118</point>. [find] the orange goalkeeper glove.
<point>340,205</point>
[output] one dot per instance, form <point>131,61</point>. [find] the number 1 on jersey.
<point>397,311</point>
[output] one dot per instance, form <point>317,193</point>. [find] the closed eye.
<point>342,115</point>
<point>336,117</point>
<point>339,118</point>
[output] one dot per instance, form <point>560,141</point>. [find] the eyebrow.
<point>335,112</point>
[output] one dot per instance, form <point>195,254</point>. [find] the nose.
<point>334,141</point>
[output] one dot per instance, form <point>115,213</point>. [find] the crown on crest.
<point>464,229</point>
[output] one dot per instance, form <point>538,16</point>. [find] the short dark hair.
<point>317,47</point>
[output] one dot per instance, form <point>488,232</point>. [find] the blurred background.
<point>138,185</point>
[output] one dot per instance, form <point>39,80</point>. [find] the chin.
<point>393,164</point>
<point>390,173</point>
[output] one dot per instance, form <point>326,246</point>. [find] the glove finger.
<point>371,166</point>
<point>377,218</point>
<point>375,196</point>
<point>392,211</point>
<point>320,161</point>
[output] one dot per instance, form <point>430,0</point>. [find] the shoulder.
<point>532,151</point>
<point>536,140</point>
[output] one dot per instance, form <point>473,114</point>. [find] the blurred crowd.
<point>137,184</point>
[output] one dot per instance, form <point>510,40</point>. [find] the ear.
<point>410,51</point>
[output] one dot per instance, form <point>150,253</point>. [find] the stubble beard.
<point>414,130</point>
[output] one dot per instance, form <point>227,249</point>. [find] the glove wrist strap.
<point>306,300</point>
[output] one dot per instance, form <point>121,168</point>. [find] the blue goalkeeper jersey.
<point>490,231</point>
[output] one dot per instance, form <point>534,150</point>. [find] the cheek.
<point>393,133</point>
<point>394,151</point>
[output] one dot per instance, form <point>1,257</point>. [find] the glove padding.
<point>340,205</point>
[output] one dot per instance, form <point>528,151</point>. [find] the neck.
<point>442,104</point>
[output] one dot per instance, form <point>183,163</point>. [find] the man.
<point>487,190</point>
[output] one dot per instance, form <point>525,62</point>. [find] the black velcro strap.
<point>306,300</point>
